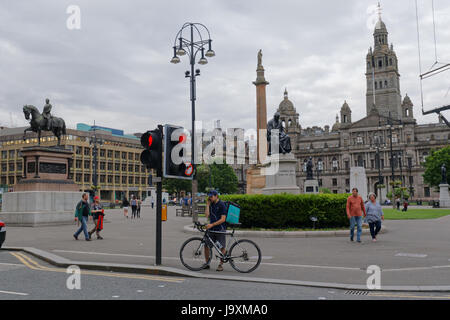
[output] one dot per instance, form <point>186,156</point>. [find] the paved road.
<point>23,277</point>
<point>412,252</point>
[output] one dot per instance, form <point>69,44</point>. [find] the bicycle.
<point>192,252</point>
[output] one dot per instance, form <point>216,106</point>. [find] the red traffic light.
<point>151,140</point>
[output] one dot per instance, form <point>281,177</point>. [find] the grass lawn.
<point>411,214</point>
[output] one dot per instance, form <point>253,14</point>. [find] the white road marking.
<point>411,255</point>
<point>267,263</point>
<point>14,293</point>
<point>12,264</point>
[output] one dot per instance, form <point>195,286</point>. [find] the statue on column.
<point>284,139</point>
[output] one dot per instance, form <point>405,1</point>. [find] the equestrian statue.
<point>44,122</point>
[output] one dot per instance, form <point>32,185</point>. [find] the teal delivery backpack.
<point>233,212</point>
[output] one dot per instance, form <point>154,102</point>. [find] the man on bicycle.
<point>216,211</point>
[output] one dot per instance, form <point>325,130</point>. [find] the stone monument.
<point>46,194</point>
<point>311,185</point>
<point>280,166</point>
<point>358,179</point>
<point>444,197</point>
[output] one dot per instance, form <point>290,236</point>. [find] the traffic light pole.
<point>159,208</point>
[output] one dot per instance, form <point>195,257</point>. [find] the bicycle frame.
<point>224,257</point>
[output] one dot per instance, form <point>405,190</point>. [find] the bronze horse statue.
<point>38,123</point>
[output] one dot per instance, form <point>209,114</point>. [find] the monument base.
<point>444,197</point>
<point>283,180</point>
<point>311,187</point>
<point>39,208</point>
<point>255,181</point>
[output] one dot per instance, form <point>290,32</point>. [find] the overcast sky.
<point>115,69</point>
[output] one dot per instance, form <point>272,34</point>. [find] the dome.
<point>286,104</point>
<point>345,107</point>
<point>381,26</point>
<point>407,100</point>
<point>337,125</point>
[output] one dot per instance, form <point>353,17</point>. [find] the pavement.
<point>414,255</point>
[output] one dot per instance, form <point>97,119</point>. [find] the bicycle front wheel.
<point>245,256</point>
<point>192,254</point>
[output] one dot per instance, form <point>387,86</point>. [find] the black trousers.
<point>133,211</point>
<point>375,227</point>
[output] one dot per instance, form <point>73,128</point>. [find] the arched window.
<point>385,83</point>
<point>381,84</point>
<point>334,164</point>
<point>380,63</point>
<point>283,123</point>
<point>376,85</point>
<point>390,61</point>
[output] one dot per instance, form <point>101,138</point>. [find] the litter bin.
<point>2,233</point>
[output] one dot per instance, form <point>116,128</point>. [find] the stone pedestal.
<point>255,180</point>
<point>311,187</point>
<point>444,197</point>
<point>358,179</point>
<point>46,195</point>
<point>280,175</point>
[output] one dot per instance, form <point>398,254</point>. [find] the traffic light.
<point>175,166</point>
<point>151,157</point>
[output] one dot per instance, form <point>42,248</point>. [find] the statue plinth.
<point>46,169</point>
<point>311,187</point>
<point>46,195</point>
<point>444,197</point>
<point>358,179</point>
<point>280,174</point>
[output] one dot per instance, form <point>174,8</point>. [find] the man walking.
<point>355,209</point>
<point>216,210</point>
<point>82,214</point>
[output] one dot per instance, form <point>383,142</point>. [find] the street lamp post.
<point>94,142</point>
<point>378,161</point>
<point>191,47</point>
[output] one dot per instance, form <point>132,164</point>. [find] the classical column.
<point>261,105</point>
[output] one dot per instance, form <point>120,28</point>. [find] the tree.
<point>433,163</point>
<point>219,176</point>
<point>176,185</point>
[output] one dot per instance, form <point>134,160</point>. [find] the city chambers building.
<point>119,169</point>
<point>389,128</point>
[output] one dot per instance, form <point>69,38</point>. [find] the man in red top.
<point>355,209</point>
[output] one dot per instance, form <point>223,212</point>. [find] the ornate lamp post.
<point>192,46</point>
<point>378,145</point>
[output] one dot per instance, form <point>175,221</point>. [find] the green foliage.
<point>325,191</point>
<point>291,211</point>
<point>220,176</point>
<point>433,163</point>
<point>176,185</point>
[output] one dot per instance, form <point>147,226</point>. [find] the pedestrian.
<point>398,203</point>
<point>153,202</point>
<point>355,209</point>
<point>97,214</point>
<point>216,210</point>
<point>82,213</point>
<point>125,204</point>
<point>133,206</point>
<point>139,207</point>
<point>374,216</point>
<point>405,205</point>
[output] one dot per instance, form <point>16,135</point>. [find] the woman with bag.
<point>374,216</point>
<point>98,213</point>
<point>125,204</point>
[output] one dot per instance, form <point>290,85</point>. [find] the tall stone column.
<point>261,105</point>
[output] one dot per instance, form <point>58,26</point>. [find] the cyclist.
<point>216,211</point>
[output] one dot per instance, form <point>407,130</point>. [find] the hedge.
<point>281,211</point>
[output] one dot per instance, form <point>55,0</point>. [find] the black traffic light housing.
<point>174,148</point>
<point>151,157</point>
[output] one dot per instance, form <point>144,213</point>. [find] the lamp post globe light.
<point>191,46</point>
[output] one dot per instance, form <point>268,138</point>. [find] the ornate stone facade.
<point>367,142</point>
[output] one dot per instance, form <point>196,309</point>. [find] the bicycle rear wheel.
<point>192,254</point>
<point>245,256</point>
